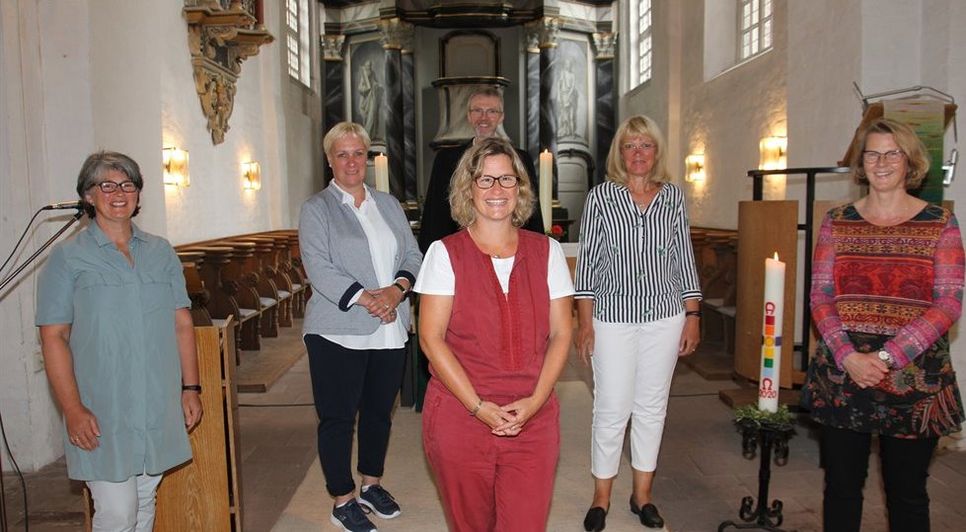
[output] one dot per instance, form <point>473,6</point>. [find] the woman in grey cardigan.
<point>361,258</point>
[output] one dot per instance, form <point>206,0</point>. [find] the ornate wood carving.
<point>221,34</point>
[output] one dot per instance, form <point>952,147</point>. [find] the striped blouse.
<point>638,266</point>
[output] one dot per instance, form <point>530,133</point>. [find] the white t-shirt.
<point>436,274</point>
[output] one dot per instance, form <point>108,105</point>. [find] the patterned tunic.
<point>897,288</point>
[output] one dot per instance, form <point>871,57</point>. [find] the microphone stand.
<point>12,276</point>
<point>3,284</point>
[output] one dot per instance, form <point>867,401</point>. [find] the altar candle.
<point>546,189</point>
<point>382,173</point>
<point>771,333</point>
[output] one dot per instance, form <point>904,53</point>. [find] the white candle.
<point>546,189</point>
<point>382,173</point>
<point>771,333</point>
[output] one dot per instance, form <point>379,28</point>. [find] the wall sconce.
<point>694,168</point>
<point>772,152</point>
<point>251,176</point>
<point>174,162</point>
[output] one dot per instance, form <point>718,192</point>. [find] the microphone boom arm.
<point>51,240</point>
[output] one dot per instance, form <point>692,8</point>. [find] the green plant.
<point>750,415</point>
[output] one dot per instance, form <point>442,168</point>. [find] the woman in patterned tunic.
<point>887,283</point>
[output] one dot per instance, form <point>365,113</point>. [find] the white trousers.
<point>633,365</point>
<point>124,506</point>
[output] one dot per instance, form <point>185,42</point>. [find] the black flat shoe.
<point>595,520</point>
<point>648,514</point>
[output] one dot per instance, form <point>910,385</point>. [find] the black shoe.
<point>595,520</point>
<point>379,501</point>
<point>350,517</point>
<point>648,514</point>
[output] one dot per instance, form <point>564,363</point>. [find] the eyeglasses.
<point>109,187</point>
<point>506,181</point>
<point>646,146</point>
<point>488,112</point>
<point>891,156</point>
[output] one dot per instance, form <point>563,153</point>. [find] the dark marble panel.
<point>606,113</point>
<point>393,112</point>
<point>548,106</point>
<point>533,105</point>
<point>409,127</point>
<point>333,100</point>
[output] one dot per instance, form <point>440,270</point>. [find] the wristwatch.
<point>886,357</point>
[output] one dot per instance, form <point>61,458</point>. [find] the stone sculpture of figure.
<point>369,91</point>
<point>567,100</point>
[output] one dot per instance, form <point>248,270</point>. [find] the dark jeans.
<point>346,383</point>
<point>905,463</point>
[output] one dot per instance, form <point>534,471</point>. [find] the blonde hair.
<point>470,167</point>
<point>341,131</point>
<point>909,143</point>
<point>634,126</point>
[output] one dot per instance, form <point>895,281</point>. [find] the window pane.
<point>766,34</point>
<point>766,8</point>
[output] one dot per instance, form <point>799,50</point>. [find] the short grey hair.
<point>341,131</point>
<point>94,168</point>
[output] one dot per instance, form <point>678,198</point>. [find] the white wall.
<point>115,74</point>
<point>722,117</point>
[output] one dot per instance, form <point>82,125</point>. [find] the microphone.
<point>64,205</point>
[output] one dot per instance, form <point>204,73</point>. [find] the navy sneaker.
<point>380,501</point>
<point>351,518</point>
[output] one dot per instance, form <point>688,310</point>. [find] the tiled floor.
<point>701,476</point>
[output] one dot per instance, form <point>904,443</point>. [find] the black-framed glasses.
<point>506,181</point>
<point>109,187</point>
<point>891,156</point>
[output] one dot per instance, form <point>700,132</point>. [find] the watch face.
<point>885,356</point>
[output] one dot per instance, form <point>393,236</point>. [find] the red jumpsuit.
<point>488,482</point>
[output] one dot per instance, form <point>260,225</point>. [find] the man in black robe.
<point>485,114</point>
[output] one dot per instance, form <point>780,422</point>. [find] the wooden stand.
<point>204,494</point>
<point>765,227</point>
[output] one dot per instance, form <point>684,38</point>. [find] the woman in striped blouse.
<point>638,300</point>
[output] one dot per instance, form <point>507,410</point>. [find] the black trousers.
<point>347,383</point>
<point>905,463</point>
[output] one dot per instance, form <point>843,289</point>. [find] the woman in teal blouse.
<point>119,351</point>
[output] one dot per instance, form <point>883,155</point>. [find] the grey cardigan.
<point>335,254</point>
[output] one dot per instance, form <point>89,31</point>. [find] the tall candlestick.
<point>771,333</point>
<point>382,173</point>
<point>546,189</point>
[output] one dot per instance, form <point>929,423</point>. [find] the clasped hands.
<point>507,420</point>
<point>382,302</point>
<point>865,369</point>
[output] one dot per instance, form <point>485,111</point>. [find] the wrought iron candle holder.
<point>771,437</point>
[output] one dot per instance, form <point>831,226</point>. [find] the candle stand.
<point>769,436</point>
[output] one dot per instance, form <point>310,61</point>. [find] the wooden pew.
<point>191,266</point>
<point>718,273</point>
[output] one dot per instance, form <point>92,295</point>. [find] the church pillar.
<point>604,43</point>
<point>532,82</point>
<point>394,32</point>
<point>409,118</point>
<point>333,100</point>
<point>548,28</point>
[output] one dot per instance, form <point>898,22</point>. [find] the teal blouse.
<point>124,349</point>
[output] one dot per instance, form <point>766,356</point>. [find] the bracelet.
<point>692,313</point>
<point>477,409</point>
<point>401,288</point>
<point>191,388</point>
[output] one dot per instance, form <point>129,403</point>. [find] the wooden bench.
<point>716,254</point>
<point>255,277</point>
